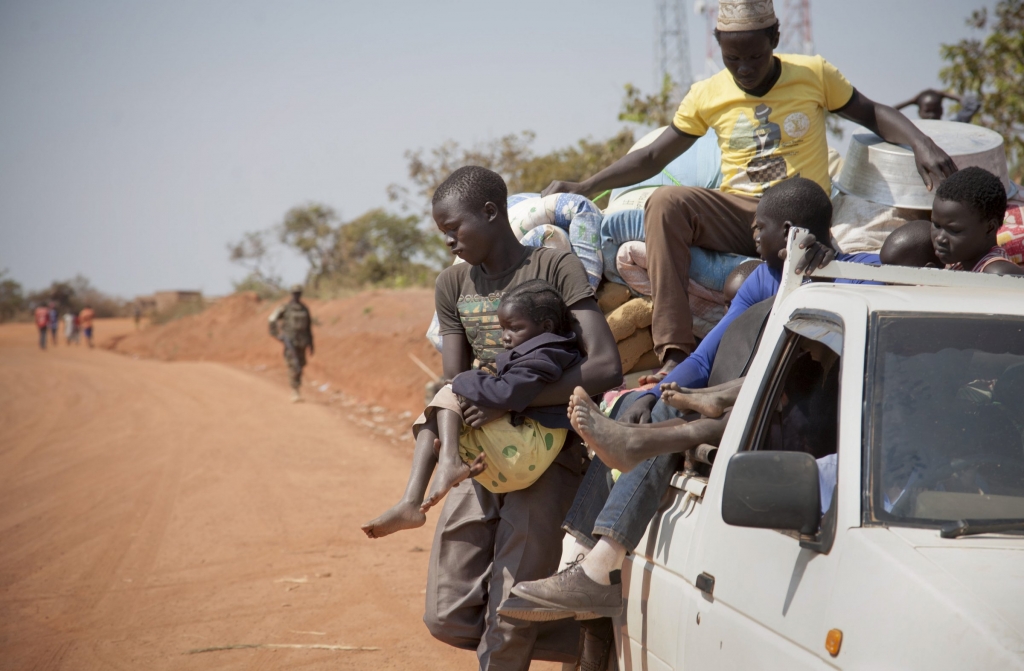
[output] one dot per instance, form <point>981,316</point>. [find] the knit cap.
<point>738,15</point>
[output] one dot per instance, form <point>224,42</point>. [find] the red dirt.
<point>362,343</point>
<point>149,510</point>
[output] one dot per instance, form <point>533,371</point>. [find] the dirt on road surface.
<point>150,511</point>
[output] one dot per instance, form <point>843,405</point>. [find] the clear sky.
<point>138,139</point>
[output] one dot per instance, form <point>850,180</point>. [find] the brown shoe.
<point>598,646</point>
<point>518,608</point>
<point>571,589</point>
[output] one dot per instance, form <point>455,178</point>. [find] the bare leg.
<point>451,469</point>
<point>406,513</point>
<point>623,446</point>
<point>710,402</point>
<point>659,425</point>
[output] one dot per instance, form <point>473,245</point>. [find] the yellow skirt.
<point>516,455</point>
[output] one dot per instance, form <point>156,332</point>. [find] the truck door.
<point>765,592</point>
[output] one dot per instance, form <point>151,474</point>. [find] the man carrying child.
<point>487,541</point>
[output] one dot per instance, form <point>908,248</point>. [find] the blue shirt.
<point>762,284</point>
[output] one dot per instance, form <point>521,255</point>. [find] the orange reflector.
<point>833,641</point>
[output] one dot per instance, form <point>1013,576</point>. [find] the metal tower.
<point>795,28</point>
<point>712,54</point>
<point>796,36</point>
<point>672,47</point>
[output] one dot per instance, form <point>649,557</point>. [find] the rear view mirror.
<point>772,490</point>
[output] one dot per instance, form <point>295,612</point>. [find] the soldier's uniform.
<point>292,325</point>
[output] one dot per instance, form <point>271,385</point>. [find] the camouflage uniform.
<point>291,324</point>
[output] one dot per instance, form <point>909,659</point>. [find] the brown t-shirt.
<point>467,298</point>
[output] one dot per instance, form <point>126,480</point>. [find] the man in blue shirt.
<point>607,521</point>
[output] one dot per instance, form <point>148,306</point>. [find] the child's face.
<point>467,234</point>
<point>959,234</point>
<point>517,327</point>
<point>748,57</point>
<point>770,239</point>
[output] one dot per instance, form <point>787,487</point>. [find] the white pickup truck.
<point>918,562</point>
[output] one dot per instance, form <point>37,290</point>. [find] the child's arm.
<point>600,371</point>
<point>513,390</point>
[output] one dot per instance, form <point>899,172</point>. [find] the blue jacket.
<point>762,284</point>
<point>522,373</point>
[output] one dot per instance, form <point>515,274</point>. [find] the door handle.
<point>706,583</point>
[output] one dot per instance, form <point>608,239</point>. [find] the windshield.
<point>946,425</point>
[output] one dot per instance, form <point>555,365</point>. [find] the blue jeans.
<point>622,510</point>
<point>42,337</point>
<point>707,267</point>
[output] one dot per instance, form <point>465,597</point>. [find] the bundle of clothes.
<point>611,244</point>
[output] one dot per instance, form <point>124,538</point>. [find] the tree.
<point>384,249</point>
<point>12,297</point>
<point>655,110</point>
<point>252,252</point>
<point>311,231</point>
<point>512,157</point>
<point>74,294</point>
<point>993,68</point>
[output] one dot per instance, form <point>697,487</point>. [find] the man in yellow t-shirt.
<point>769,114</point>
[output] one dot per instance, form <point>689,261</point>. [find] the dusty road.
<point>150,509</point>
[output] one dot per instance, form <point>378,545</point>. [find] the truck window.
<point>799,410</point>
<point>946,420</point>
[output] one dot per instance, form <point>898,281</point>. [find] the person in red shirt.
<point>85,318</point>
<point>42,315</point>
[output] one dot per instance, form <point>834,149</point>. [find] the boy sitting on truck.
<point>618,518</point>
<point>966,216</point>
<point>485,541</point>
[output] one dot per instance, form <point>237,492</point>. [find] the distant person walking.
<point>85,318</point>
<point>69,327</point>
<point>42,315</point>
<point>292,325</point>
<point>54,323</point>
<point>137,313</point>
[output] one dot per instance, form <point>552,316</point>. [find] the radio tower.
<point>795,32</point>
<point>712,55</point>
<point>795,28</point>
<point>672,47</point>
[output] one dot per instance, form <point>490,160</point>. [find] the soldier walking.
<point>291,324</point>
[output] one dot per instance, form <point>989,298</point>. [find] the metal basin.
<point>886,174</point>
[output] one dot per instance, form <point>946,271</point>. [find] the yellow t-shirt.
<point>769,138</point>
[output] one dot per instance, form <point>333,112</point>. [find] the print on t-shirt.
<point>479,317</point>
<point>765,139</point>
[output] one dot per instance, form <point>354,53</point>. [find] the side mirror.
<point>772,490</point>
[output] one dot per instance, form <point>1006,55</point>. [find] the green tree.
<point>312,230</point>
<point>252,252</point>
<point>512,157</point>
<point>654,110</point>
<point>383,249</point>
<point>77,292</point>
<point>12,297</point>
<point>993,68</point>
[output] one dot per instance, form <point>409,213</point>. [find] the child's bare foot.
<point>611,440</point>
<point>708,404</point>
<point>673,358</point>
<point>403,515</point>
<point>448,476</point>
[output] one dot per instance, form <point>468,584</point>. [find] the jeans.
<point>42,337</point>
<point>707,267</point>
<point>622,510</point>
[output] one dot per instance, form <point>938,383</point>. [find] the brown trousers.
<point>484,544</point>
<point>675,219</point>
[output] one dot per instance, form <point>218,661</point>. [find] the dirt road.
<point>149,510</point>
